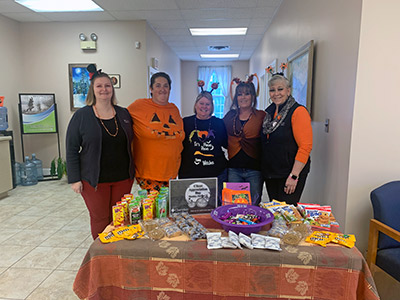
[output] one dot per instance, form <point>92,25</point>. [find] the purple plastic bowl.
<point>266,217</point>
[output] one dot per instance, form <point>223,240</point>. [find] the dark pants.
<point>275,188</point>
<point>100,202</point>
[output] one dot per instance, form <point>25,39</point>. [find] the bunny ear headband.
<point>270,70</point>
<point>249,79</point>
<point>200,84</point>
<point>93,72</point>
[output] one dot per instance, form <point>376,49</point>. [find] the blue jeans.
<point>254,177</point>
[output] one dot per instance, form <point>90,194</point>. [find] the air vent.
<point>218,48</point>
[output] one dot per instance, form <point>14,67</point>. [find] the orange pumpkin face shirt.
<point>157,139</point>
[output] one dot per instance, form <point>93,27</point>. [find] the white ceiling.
<point>171,20</point>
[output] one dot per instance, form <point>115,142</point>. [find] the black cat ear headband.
<point>93,72</point>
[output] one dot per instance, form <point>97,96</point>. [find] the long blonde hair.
<point>91,98</point>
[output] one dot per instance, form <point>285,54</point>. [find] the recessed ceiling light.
<point>219,55</point>
<point>218,31</point>
<point>60,5</point>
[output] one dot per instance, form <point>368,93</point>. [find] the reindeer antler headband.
<point>200,84</point>
<point>283,67</point>
<point>249,80</point>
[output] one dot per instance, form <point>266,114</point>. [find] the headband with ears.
<point>200,84</point>
<point>250,79</point>
<point>93,72</point>
<point>270,70</point>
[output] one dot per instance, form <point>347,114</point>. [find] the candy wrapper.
<point>320,238</point>
<point>118,213</point>
<point>234,239</point>
<point>258,241</point>
<point>226,243</point>
<point>245,240</point>
<point>272,243</point>
<point>347,240</point>
<point>278,229</point>
<point>214,240</point>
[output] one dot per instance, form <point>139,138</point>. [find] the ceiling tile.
<point>11,6</point>
<point>136,4</point>
<point>27,17</point>
<point>79,16</point>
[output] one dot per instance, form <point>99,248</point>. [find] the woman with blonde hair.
<point>99,159</point>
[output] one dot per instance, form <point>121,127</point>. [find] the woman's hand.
<point>290,185</point>
<point>77,187</point>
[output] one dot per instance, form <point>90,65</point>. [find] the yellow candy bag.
<point>108,237</point>
<point>347,240</point>
<point>320,238</point>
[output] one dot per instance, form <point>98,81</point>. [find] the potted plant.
<point>58,167</point>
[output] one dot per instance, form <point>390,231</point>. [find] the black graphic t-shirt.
<point>202,154</point>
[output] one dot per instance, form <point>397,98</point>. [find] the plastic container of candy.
<point>266,217</point>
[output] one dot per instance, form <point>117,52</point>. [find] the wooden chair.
<point>384,234</point>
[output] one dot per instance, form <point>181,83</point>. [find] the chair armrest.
<point>375,227</point>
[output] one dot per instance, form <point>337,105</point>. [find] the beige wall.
<point>375,143</point>
<point>335,28</point>
<point>10,71</point>
<point>168,62</point>
<point>240,68</point>
<point>44,50</point>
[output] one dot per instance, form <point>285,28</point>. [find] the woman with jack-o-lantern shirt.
<point>158,135</point>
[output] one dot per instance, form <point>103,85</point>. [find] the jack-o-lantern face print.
<point>164,127</point>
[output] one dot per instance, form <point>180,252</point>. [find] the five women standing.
<point>274,145</point>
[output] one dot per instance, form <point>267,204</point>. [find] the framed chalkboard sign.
<point>194,195</point>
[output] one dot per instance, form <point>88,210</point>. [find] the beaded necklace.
<point>101,121</point>
<point>236,133</point>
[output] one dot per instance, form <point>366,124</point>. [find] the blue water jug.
<point>39,166</point>
<point>17,168</point>
<point>3,118</point>
<point>28,173</point>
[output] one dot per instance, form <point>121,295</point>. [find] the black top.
<point>113,167</point>
<point>202,154</point>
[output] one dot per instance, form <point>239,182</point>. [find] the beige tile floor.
<point>45,235</point>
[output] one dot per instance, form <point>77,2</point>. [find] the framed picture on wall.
<point>38,113</point>
<point>116,80</point>
<point>300,71</point>
<point>79,82</point>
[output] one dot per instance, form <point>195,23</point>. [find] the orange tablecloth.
<point>167,270</point>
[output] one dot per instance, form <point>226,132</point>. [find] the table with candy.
<point>183,267</point>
